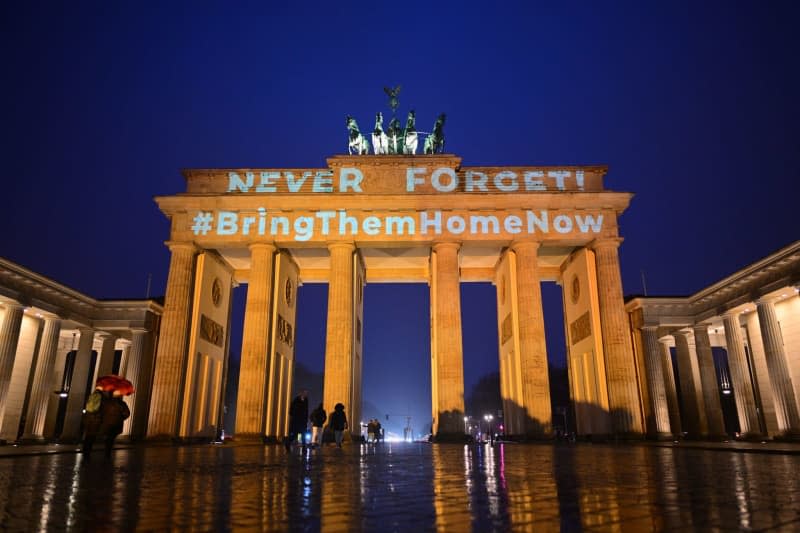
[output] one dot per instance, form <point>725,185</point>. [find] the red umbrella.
<point>112,383</point>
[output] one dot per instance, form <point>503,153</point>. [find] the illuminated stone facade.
<point>399,219</point>
<point>55,342</point>
<point>754,315</point>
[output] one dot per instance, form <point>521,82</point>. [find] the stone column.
<point>623,392</point>
<point>124,346</point>
<point>9,338</point>
<point>740,375</point>
<point>339,332</point>
<point>42,387</point>
<point>105,362</point>
<point>532,346</point>
<point>779,377</point>
<point>708,379</point>
<point>448,400</point>
<point>693,415</point>
<point>170,363</point>
<point>670,389</point>
<point>655,381</point>
<point>251,403</point>
<point>134,426</point>
<point>76,400</point>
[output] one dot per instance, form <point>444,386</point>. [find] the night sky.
<point>693,106</point>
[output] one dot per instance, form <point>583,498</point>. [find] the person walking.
<point>338,423</point>
<point>105,415</point>
<point>115,412</point>
<point>318,418</point>
<point>298,420</point>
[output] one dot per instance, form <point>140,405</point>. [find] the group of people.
<point>374,430</point>
<point>299,418</point>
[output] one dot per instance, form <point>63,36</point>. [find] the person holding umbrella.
<point>106,412</point>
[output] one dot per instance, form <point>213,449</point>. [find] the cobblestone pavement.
<point>402,487</point>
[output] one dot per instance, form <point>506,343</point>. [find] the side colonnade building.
<point>738,338</point>
<point>399,219</point>
<point>55,342</point>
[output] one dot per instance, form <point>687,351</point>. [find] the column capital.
<point>766,300</point>
<point>606,242</point>
<point>269,246</point>
<point>703,326</point>
<point>14,305</point>
<point>649,328</point>
<point>446,245</point>
<point>518,246</point>
<point>731,314</point>
<point>348,245</point>
<point>85,329</point>
<point>182,245</point>
<point>681,332</point>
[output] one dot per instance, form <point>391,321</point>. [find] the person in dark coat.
<point>108,420</point>
<point>318,418</point>
<point>338,423</point>
<point>298,420</point>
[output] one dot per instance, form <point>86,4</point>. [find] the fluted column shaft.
<point>740,374</point>
<point>532,346</point>
<point>623,392</point>
<point>782,388</point>
<point>251,403</point>
<point>170,363</point>
<point>42,387</point>
<point>133,371</point>
<point>9,339</point>
<point>125,348</point>
<point>693,415</point>
<point>76,399</point>
<point>105,363</point>
<point>670,389</point>
<point>448,398</point>
<point>655,381</point>
<point>708,379</point>
<point>339,332</point>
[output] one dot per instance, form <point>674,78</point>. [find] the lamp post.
<point>466,420</point>
<point>489,419</point>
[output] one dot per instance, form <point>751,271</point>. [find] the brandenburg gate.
<point>399,219</point>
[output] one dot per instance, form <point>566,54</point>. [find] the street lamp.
<point>466,419</point>
<point>489,419</point>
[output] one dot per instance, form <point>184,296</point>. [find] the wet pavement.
<point>402,487</point>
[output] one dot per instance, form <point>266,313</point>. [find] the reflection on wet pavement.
<point>402,487</point>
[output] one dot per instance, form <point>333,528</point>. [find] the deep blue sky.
<point>693,105</point>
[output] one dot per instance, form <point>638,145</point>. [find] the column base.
<point>787,437</point>
<point>459,438</point>
<point>31,440</point>
<point>752,437</point>
<point>533,437</point>
<point>662,437</point>
<point>718,438</point>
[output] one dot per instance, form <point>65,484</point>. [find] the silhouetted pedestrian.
<point>106,413</point>
<point>298,420</point>
<point>338,423</point>
<point>318,418</point>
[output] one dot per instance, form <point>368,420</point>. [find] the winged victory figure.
<point>392,94</point>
